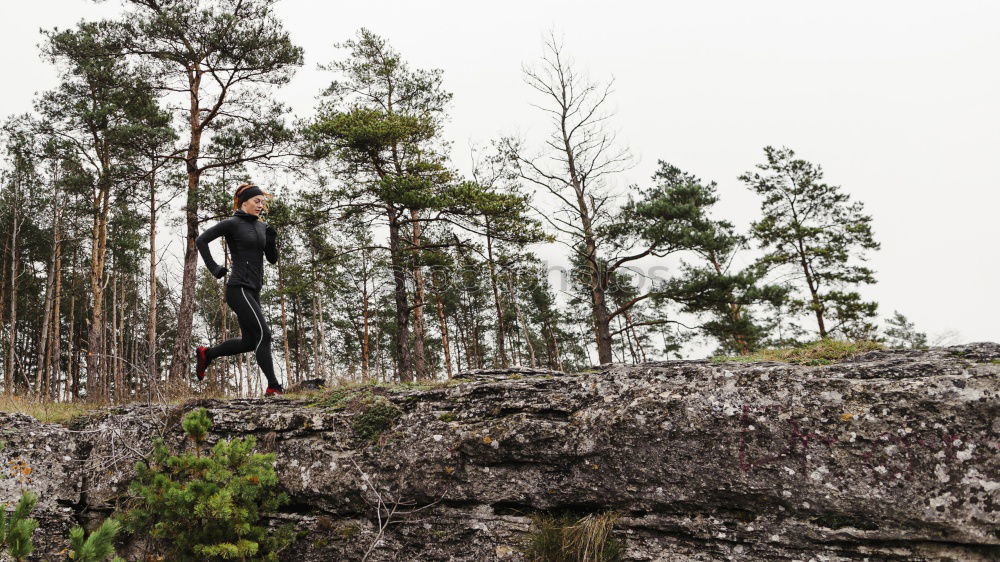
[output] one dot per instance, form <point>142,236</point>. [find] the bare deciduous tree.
<point>580,153</point>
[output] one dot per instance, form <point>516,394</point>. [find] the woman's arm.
<point>271,246</point>
<point>220,228</point>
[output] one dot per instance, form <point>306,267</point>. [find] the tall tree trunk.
<point>552,348</point>
<point>114,375</point>
<point>9,366</point>
<point>74,356</point>
<point>404,372</point>
<point>296,308</point>
<point>324,367</point>
<point>515,342</point>
<point>602,326</point>
<point>319,363</point>
<point>122,376</point>
<point>153,374</point>
<point>98,243</point>
<point>459,343</point>
<point>44,342</point>
<point>365,320</point>
<point>292,378</point>
<point>185,315</point>
<point>476,331</point>
<point>380,354</point>
<point>419,355</point>
<point>533,361</point>
<point>55,349</point>
<point>3,312</point>
<point>118,336</point>
<point>501,329</point>
<point>41,384</point>
<point>598,286</point>
<point>813,284</point>
<point>443,324</point>
<point>316,338</point>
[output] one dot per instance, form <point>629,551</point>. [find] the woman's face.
<point>254,205</point>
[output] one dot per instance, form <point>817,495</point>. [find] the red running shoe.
<point>273,390</point>
<point>202,361</point>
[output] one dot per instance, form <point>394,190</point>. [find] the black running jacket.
<point>248,240</point>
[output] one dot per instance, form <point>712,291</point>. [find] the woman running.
<point>249,239</point>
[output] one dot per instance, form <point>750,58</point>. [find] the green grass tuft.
<point>822,352</point>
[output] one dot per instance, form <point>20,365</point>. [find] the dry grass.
<point>65,412</point>
<point>569,539</point>
<point>182,391</point>
<point>332,394</point>
<point>45,411</point>
<point>822,352</point>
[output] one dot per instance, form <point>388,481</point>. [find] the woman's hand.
<point>271,232</point>
<point>220,272</point>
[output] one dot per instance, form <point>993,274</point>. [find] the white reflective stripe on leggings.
<point>255,318</point>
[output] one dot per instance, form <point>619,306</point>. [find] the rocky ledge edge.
<point>892,455</point>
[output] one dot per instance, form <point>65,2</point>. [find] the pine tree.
<point>901,333</point>
<point>207,506</point>
<point>382,121</point>
<point>814,229</point>
<point>380,129</point>
<point>223,57</point>
<point>109,112</point>
<point>98,547</point>
<point>711,285</point>
<point>23,203</point>
<point>16,528</point>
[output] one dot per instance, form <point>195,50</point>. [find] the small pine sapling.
<point>196,425</point>
<point>98,547</point>
<point>207,506</point>
<point>16,529</point>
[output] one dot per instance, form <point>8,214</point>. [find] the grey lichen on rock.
<point>892,455</point>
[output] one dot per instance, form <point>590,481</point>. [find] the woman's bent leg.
<point>249,331</point>
<point>263,345</point>
<point>255,335</point>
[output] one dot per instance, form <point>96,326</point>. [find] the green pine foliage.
<point>814,232</point>
<point>196,425</point>
<point>207,506</point>
<point>711,286</point>
<point>16,528</point>
<point>901,333</point>
<point>98,547</point>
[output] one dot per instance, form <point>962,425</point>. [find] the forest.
<point>395,264</point>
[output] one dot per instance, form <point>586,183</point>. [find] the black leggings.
<point>256,336</point>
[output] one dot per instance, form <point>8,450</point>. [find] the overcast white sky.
<point>898,100</point>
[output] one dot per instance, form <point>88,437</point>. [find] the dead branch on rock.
<point>389,508</point>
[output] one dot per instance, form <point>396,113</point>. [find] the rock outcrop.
<point>894,455</point>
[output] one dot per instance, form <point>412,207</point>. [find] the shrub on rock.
<point>207,506</point>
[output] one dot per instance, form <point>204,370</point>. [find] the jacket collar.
<point>247,216</point>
